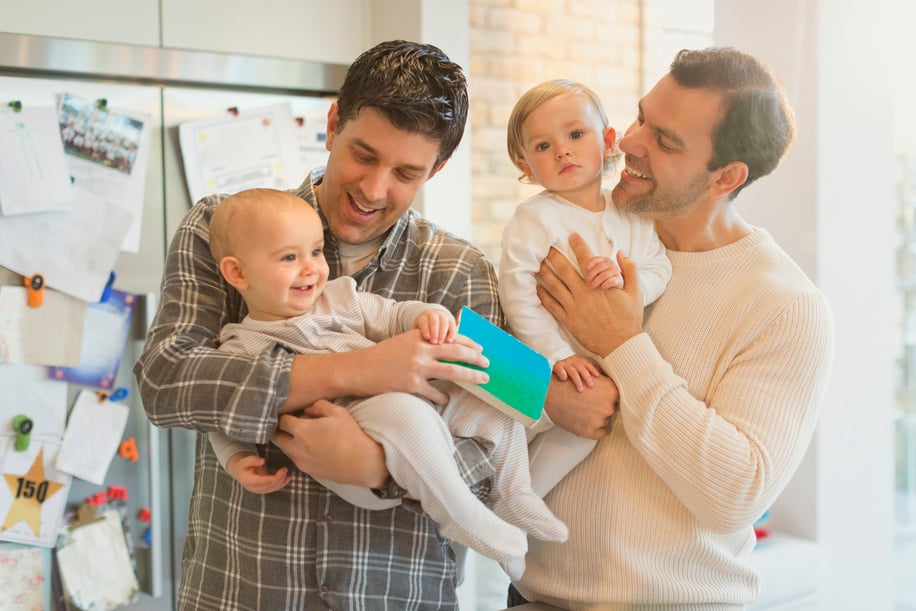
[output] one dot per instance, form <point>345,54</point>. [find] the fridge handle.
<point>156,509</point>
<point>155,514</point>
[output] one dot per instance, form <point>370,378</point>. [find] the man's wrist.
<point>619,341</point>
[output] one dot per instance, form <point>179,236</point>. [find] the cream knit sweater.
<point>718,403</point>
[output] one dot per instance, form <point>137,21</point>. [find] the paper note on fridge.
<point>92,437</point>
<point>33,169</point>
<point>75,249</point>
<point>49,335</point>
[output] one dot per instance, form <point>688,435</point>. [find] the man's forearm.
<point>194,391</point>
<point>320,376</point>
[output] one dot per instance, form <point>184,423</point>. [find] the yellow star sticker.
<point>29,492</point>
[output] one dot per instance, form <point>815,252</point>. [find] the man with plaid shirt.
<point>398,118</point>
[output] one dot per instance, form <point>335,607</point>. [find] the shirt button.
<point>325,589</point>
<point>328,518</point>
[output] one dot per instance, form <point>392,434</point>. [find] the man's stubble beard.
<point>662,201</point>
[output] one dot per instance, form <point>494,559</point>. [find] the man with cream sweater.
<point>720,381</point>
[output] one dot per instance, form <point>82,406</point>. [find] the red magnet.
<point>117,493</point>
<point>99,498</point>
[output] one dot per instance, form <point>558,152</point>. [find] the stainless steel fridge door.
<point>170,87</point>
<point>146,481</point>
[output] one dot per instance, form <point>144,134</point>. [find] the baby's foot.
<point>528,511</point>
<point>514,567</point>
<point>506,544</point>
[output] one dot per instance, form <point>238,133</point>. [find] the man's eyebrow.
<point>356,142</point>
<point>362,144</point>
<point>662,131</point>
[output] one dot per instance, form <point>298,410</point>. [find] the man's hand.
<point>403,363</point>
<point>586,414</point>
<point>407,363</point>
<point>600,320</point>
<point>327,443</point>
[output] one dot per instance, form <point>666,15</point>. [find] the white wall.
<point>446,199</point>
<point>669,26</point>
<point>832,206</point>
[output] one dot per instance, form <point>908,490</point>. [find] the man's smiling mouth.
<point>635,174</point>
<point>362,209</point>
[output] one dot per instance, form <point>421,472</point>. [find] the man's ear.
<point>231,269</point>
<point>333,120</point>
<point>729,177</point>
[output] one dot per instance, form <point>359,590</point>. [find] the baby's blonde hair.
<point>237,215</point>
<point>531,100</point>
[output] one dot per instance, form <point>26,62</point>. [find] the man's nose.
<point>631,143</point>
<point>374,185</point>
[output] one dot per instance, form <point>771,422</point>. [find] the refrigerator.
<point>167,87</point>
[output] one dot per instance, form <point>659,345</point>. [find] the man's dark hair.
<point>757,125</point>
<point>414,85</point>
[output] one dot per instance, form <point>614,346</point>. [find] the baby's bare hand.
<point>249,471</point>
<point>603,273</point>
<point>578,370</point>
<point>436,326</point>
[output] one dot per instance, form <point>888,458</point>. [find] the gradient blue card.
<point>519,375</point>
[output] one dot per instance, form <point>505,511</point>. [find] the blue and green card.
<point>519,375</point>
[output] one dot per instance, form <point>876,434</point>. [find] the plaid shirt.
<point>302,547</point>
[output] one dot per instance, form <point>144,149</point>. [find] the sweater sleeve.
<point>729,458</point>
